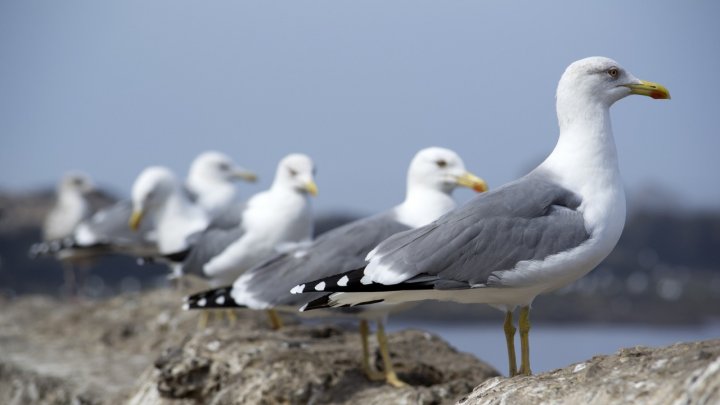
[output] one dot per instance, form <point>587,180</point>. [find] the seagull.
<point>272,220</point>
<point>158,197</point>
<point>71,206</point>
<point>70,209</point>
<point>209,185</point>
<point>528,237</point>
<point>211,180</point>
<point>432,176</point>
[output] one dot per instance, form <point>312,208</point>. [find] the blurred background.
<point>109,88</point>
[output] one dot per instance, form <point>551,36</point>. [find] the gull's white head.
<point>441,169</point>
<point>600,80</point>
<point>151,190</point>
<point>214,166</point>
<point>75,182</point>
<point>297,172</point>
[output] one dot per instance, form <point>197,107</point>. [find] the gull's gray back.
<point>336,251</point>
<point>529,219</point>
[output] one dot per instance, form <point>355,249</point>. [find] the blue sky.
<point>111,87</point>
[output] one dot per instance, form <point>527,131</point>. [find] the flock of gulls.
<point>503,248</point>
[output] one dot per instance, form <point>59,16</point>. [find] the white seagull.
<point>528,237</point>
<point>271,221</point>
<point>432,176</point>
<point>209,185</point>
<point>70,209</point>
<point>71,206</point>
<point>211,180</point>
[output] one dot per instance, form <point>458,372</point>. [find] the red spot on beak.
<point>657,95</point>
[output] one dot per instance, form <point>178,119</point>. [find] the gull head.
<point>441,169</point>
<point>297,172</point>
<point>217,167</point>
<point>151,190</point>
<point>75,182</point>
<point>601,80</point>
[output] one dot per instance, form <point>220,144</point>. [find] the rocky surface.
<point>685,373</point>
<point>142,349</point>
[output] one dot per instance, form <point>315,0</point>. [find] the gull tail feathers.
<point>352,282</point>
<point>339,300</point>
<point>211,299</point>
<point>349,281</point>
<point>52,247</point>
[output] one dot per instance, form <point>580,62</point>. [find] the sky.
<point>111,87</point>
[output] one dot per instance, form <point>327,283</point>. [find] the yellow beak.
<point>472,181</point>
<point>311,188</point>
<point>650,89</point>
<point>135,219</point>
<point>245,175</point>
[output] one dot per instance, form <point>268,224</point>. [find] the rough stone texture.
<point>685,373</point>
<point>142,349</point>
<point>302,364</point>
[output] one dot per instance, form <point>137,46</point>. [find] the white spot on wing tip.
<point>366,280</point>
<point>201,302</point>
<point>186,306</point>
<point>298,289</point>
<point>320,286</point>
<point>343,282</point>
<point>302,308</point>
<point>220,300</point>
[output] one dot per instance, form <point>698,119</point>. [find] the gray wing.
<point>230,217</point>
<point>529,219</point>
<point>110,227</point>
<point>336,251</point>
<point>205,245</point>
<point>191,195</point>
<point>105,232</point>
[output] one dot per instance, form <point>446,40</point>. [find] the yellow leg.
<point>275,320</point>
<point>510,342</point>
<point>390,376</point>
<point>524,325</point>
<point>203,320</point>
<point>371,374</point>
<point>231,317</point>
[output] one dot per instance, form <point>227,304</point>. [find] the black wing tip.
<point>210,299</point>
<point>323,302</point>
<point>326,301</point>
<point>178,257</point>
<point>342,282</point>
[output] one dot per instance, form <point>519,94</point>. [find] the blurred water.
<point>556,346</point>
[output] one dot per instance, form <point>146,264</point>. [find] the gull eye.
<point>613,72</point>
<point>292,172</point>
<point>223,166</point>
<point>441,163</point>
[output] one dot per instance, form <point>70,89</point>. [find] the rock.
<point>684,373</point>
<point>305,364</point>
<point>142,349</point>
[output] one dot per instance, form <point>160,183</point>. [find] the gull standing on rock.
<point>211,180</point>
<point>528,237</point>
<point>70,209</point>
<point>210,185</point>
<point>432,176</point>
<point>271,221</point>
